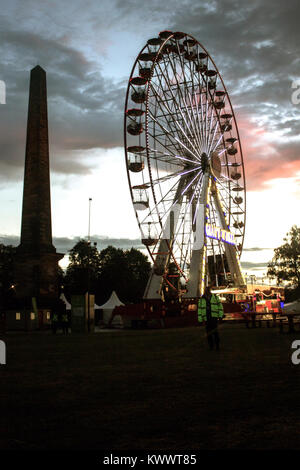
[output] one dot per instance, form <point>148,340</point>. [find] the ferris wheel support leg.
<point>230,250</point>
<point>198,272</point>
<point>154,284</point>
<point>197,280</point>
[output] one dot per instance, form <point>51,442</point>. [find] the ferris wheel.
<point>185,167</point>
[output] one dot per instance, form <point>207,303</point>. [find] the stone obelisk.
<point>37,261</point>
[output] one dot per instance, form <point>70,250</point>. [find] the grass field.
<point>154,390</point>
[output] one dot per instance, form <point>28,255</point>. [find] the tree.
<point>138,270</point>
<point>83,254</point>
<point>83,270</point>
<point>126,272</point>
<point>285,265</point>
<point>113,267</point>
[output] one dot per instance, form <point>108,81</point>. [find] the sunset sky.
<point>87,49</point>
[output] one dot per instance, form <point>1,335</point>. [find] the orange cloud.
<point>264,159</point>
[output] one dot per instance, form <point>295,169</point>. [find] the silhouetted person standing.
<point>210,310</point>
<point>65,323</point>
<point>54,322</point>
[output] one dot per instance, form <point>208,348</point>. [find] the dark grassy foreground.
<point>152,390</point>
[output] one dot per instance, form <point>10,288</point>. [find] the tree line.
<point>127,271</point>
<point>101,272</point>
<point>98,272</point>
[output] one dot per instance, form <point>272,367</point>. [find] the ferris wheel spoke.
<point>176,123</point>
<point>172,175</point>
<point>177,160</point>
<point>182,242</point>
<point>196,118</point>
<point>170,135</point>
<point>211,141</point>
<point>157,204</point>
<point>164,114</point>
<point>215,143</point>
<point>168,158</point>
<point>173,98</point>
<point>203,123</point>
<point>198,122</point>
<point>173,157</point>
<point>210,119</point>
<point>177,157</point>
<point>190,183</point>
<point>181,245</point>
<point>187,160</point>
<point>212,110</point>
<point>184,247</point>
<point>206,117</point>
<point>168,116</point>
<point>227,191</point>
<point>190,115</point>
<point>167,133</point>
<point>218,141</point>
<point>168,79</point>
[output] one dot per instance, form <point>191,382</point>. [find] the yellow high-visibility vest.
<point>216,308</point>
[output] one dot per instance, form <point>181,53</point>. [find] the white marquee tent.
<point>108,308</point>
<point>63,298</point>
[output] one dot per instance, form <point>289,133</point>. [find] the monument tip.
<point>38,68</point>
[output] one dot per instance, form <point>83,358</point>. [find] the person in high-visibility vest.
<point>210,309</point>
<point>54,322</point>
<point>65,322</point>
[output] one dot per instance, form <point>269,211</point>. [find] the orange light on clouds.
<point>266,155</point>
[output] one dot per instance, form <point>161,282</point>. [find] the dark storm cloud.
<point>84,109</point>
<point>254,44</point>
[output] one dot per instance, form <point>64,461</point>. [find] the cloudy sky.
<point>87,49</point>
